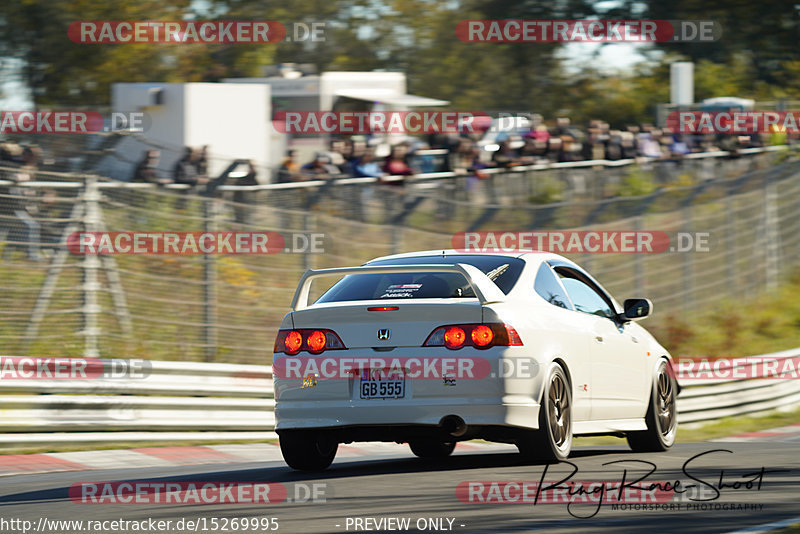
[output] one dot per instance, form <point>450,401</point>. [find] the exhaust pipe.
<point>453,425</point>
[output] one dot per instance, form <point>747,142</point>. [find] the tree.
<point>63,73</point>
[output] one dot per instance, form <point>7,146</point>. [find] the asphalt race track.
<point>398,485</point>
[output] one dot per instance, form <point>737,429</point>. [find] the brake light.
<point>454,337</point>
<point>383,308</point>
<point>316,341</point>
<point>313,340</point>
<point>293,341</point>
<point>480,336</point>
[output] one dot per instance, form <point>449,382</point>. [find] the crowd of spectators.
<point>347,158</point>
<point>191,169</point>
<point>29,217</point>
<point>535,143</point>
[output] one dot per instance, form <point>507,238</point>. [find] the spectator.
<point>461,158</point>
<point>320,168</point>
<point>649,146</point>
<point>367,166</point>
<point>350,159</point>
<point>289,171</point>
<point>185,170</point>
<point>146,170</point>
<point>569,149</point>
<point>504,156</point>
<point>554,147</point>
<point>24,205</point>
<point>242,212</point>
<point>201,162</point>
<point>628,143</point>
<point>395,163</point>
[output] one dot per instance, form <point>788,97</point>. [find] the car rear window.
<point>504,269</point>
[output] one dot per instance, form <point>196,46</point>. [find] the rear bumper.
<point>501,392</point>
<point>406,412</point>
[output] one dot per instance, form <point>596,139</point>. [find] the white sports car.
<point>431,348</point>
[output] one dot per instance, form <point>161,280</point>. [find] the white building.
<point>232,119</point>
<point>333,91</point>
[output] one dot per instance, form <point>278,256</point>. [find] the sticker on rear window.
<point>401,291</point>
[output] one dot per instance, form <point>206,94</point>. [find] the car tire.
<point>431,447</point>
<point>306,450</point>
<point>552,442</point>
<point>662,416</point>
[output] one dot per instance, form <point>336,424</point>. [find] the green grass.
<point>719,429</point>
<point>735,328</point>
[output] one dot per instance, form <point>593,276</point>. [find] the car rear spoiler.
<point>484,288</point>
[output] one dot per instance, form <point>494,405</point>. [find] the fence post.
<point>397,238</point>
<point>771,235</point>
<point>308,227</point>
<point>688,267</point>
<point>730,242</point>
<point>91,266</point>
<point>638,261</point>
<point>210,283</point>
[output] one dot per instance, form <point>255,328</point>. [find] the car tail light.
<point>317,341</point>
<point>454,337</point>
<point>293,341</point>
<point>480,336</point>
<point>313,340</point>
<point>383,308</point>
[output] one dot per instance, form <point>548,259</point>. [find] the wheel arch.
<point>563,364</point>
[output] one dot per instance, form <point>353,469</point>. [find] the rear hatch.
<point>409,325</point>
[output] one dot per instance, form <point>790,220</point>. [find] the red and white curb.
<point>18,464</point>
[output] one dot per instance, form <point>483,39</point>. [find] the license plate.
<point>382,389</point>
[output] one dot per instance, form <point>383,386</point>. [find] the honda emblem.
<point>384,334</point>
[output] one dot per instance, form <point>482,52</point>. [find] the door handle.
<point>599,339</point>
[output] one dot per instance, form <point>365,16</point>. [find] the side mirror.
<point>636,309</point>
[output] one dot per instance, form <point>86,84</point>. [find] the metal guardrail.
<point>708,400</point>
<point>175,401</point>
<point>183,401</point>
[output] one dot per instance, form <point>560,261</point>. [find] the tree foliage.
<point>755,58</point>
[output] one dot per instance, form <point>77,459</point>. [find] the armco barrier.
<point>185,401</point>
<point>176,401</point>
